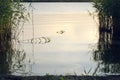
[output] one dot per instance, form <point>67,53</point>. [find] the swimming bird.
<point>61,32</point>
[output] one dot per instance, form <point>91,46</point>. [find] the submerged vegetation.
<point>108,48</point>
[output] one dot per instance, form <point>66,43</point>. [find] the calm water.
<point>72,33</point>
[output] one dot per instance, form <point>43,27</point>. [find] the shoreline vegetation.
<point>13,13</point>
<point>54,77</point>
<point>56,0</point>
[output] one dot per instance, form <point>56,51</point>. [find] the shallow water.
<point>72,33</point>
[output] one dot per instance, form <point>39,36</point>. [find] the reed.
<point>108,47</point>
<point>11,14</point>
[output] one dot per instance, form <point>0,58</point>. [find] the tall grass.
<point>108,47</point>
<point>11,14</point>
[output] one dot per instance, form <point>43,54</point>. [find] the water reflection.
<point>108,48</point>
<point>69,29</point>
<point>5,53</point>
<point>11,59</point>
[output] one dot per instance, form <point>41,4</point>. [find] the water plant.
<point>12,12</point>
<point>108,48</point>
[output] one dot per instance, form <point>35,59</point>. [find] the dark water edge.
<point>52,77</point>
<point>56,0</point>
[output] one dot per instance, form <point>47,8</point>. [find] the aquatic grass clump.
<point>108,48</point>
<point>11,14</point>
<point>105,30</point>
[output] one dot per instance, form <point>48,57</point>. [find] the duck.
<point>61,32</point>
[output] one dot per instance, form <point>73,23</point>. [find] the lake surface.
<point>64,38</point>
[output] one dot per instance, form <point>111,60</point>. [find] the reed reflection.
<point>5,51</point>
<point>11,59</point>
<point>108,47</point>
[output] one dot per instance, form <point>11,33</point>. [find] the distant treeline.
<point>56,0</point>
